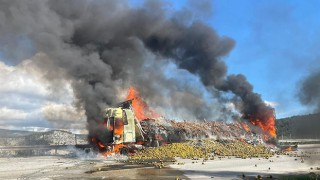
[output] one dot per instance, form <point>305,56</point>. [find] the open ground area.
<point>56,167</point>
<point>235,168</point>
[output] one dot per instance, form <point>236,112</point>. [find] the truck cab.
<point>123,126</point>
<point>121,123</point>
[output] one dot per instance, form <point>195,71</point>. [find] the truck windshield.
<point>110,123</point>
<point>124,117</point>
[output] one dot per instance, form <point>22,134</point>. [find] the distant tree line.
<point>299,127</point>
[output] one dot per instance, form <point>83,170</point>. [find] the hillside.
<point>303,126</point>
<point>5,133</point>
<point>28,138</point>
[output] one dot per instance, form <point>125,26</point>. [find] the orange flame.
<point>115,148</point>
<point>98,143</point>
<point>140,108</point>
<point>101,146</point>
<point>246,127</point>
<point>118,128</point>
<point>289,148</point>
<point>266,122</point>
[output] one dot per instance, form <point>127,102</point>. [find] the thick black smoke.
<point>309,94</point>
<point>102,47</point>
<point>310,91</point>
<point>308,126</point>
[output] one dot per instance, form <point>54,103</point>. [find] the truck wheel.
<point>124,151</point>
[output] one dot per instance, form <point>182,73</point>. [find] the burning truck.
<point>132,124</point>
<point>124,130</point>
<point>127,133</point>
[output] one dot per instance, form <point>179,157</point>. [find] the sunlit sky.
<point>277,46</point>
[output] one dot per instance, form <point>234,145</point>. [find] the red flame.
<point>266,122</point>
<point>140,108</point>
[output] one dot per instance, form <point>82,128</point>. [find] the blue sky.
<point>277,45</point>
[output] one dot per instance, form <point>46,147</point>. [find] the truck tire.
<point>124,151</point>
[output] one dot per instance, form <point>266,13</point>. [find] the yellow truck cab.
<point>121,123</point>
<point>123,126</point>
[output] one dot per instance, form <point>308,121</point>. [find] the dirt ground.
<point>55,167</point>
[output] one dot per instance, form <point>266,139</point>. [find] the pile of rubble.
<point>173,131</point>
<point>209,129</point>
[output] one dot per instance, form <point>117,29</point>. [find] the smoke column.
<point>309,94</point>
<point>102,47</point>
<point>310,91</point>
